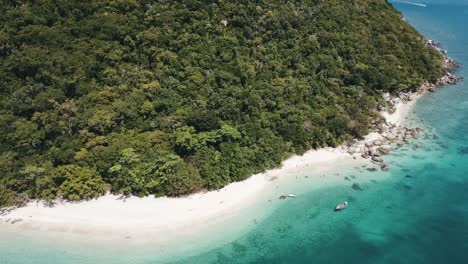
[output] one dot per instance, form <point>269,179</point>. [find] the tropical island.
<point>175,97</point>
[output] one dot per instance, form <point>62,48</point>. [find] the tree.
<point>7,197</point>
<point>184,180</point>
<point>178,96</point>
<point>79,182</point>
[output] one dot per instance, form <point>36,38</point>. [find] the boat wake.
<point>410,3</point>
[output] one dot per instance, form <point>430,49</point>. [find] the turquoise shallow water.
<point>415,213</point>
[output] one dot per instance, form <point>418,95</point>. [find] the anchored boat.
<point>341,206</point>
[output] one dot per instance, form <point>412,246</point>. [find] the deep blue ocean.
<point>415,213</point>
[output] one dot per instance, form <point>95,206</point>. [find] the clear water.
<point>415,213</point>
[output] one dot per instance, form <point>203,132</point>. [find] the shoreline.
<point>149,218</point>
<point>111,216</point>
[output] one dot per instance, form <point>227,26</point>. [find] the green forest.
<point>140,97</point>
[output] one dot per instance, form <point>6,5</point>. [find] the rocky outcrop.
<point>5,211</point>
<point>449,66</point>
<point>392,135</point>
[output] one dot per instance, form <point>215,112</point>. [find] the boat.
<point>283,197</point>
<point>292,195</point>
<point>341,206</point>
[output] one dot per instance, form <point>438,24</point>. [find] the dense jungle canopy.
<point>141,97</point>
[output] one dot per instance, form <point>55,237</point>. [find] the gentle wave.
<point>411,3</point>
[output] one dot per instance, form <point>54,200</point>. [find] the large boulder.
<point>384,150</point>
<point>373,152</point>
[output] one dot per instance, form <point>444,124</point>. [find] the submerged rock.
<point>385,167</point>
<point>443,145</point>
<point>463,150</point>
<point>356,187</point>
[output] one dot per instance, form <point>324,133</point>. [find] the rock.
<point>386,96</point>
<point>384,150</point>
<point>356,187</point>
<point>377,159</point>
<point>363,150</point>
<point>391,137</point>
<point>16,221</point>
<point>274,178</point>
<point>385,167</point>
<point>373,152</point>
<point>443,145</point>
<point>371,169</point>
<point>463,150</point>
<point>354,150</point>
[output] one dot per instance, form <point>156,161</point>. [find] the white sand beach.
<point>150,216</point>
<point>402,110</point>
<point>112,214</point>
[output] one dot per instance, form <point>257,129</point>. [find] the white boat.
<point>341,206</point>
<point>292,195</point>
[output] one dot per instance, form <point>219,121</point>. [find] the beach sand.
<point>149,218</point>
<point>402,110</point>
<point>115,215</point>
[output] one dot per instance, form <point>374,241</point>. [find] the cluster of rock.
<point>389,135</point>
<point>435,45</point>
<point>449,65</point>
<point>13,220</point>
<point>5,211</point>
<point>448,78</point>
